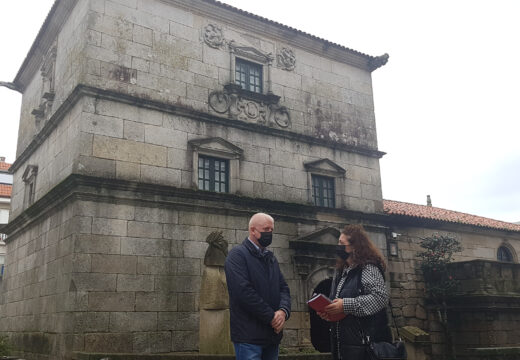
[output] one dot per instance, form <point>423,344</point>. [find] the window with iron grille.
<point>504,254</point>
<point>323,192</point>
<point>248,75</point>
<point>213,174</point>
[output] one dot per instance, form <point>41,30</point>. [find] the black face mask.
<point>266,238</point>
<point>340,252</point>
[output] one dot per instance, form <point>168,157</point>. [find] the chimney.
<point>428,201</point>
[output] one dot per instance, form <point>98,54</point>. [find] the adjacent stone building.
<point>484,312</point>
<point>6,185</point>
<point>145,126</point>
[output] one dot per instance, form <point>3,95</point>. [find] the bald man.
<point>259,298</point>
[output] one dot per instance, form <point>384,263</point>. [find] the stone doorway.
<point>320,334</point>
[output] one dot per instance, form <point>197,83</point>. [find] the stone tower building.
<point>148,124</point>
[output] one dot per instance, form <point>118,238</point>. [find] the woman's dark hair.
<point>365,252</point>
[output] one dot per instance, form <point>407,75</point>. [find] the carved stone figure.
<point>213,36</point>
<point>286,59</point>
<point>217,250</point>
<point>214,300</point>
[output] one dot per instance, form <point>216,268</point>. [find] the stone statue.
<point>217,250</point>
<point>214,334</point>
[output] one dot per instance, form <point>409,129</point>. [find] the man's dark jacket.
<point>257,289</point>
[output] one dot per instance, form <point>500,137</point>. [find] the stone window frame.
<point>252,55</point>
<point>323,183</point>
<point>328,168</point>
<point>248,66</point>
<point>507,247</point>
<point>212,182</point>
<point>218,148</point>
<point>29,178</point>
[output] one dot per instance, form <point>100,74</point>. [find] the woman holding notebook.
<point>358,291</point>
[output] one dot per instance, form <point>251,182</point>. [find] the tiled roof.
<point>392,207</point>
<point>247,13</point>
<point>4,166</point>
<point>5,190</point>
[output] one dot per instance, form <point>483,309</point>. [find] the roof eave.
<point>55,19</point>
<point>232,15</point>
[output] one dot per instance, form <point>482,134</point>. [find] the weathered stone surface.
<point>213,294</point>
<point>214,333</point>
<point>143,246</point>
<point>108,342</point>
<point>155,301</point>
<point>133,321</point>
<point>114,264</point>
<point>152,342</point>
<point>135,282</point>
<point>111,301</point>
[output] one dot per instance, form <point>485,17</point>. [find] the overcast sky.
<point>447,103</point>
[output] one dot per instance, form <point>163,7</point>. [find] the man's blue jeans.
<point>245,351</point>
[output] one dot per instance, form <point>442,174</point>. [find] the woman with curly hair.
<point>359,292</point>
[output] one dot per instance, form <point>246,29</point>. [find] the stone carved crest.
<point>239,107</point>
<point>213,36</point>
<point>286,59</point>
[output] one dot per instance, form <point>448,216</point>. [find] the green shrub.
<point>5,347</point>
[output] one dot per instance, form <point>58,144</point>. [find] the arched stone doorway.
<point>320,334</point>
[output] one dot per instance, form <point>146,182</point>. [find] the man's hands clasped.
<point>278,321</point>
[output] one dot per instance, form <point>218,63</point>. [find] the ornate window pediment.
<point>217,147</point>
<point>250,52</point>
<point>315,250</point>
<point>325,167</point>
<point>324,236</point>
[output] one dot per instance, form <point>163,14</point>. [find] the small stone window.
<point>29,178</point>
<point>213,174</point>
<point>215,165</point>
<point>323,191</point>
<point>505,254</point>
<point>326,181</point>
<point>249,75</point>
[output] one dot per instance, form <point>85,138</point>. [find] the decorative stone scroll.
<point>213,36</point>
<point>246,106</point>
<point>286,59</point>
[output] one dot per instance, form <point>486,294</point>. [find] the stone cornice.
<point>83,187</point>
<point>82,90</point>
<point>285,34</point>
<point>61,10</point>
<point>57,16</point>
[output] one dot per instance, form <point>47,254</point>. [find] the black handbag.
<point>382,350</point>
